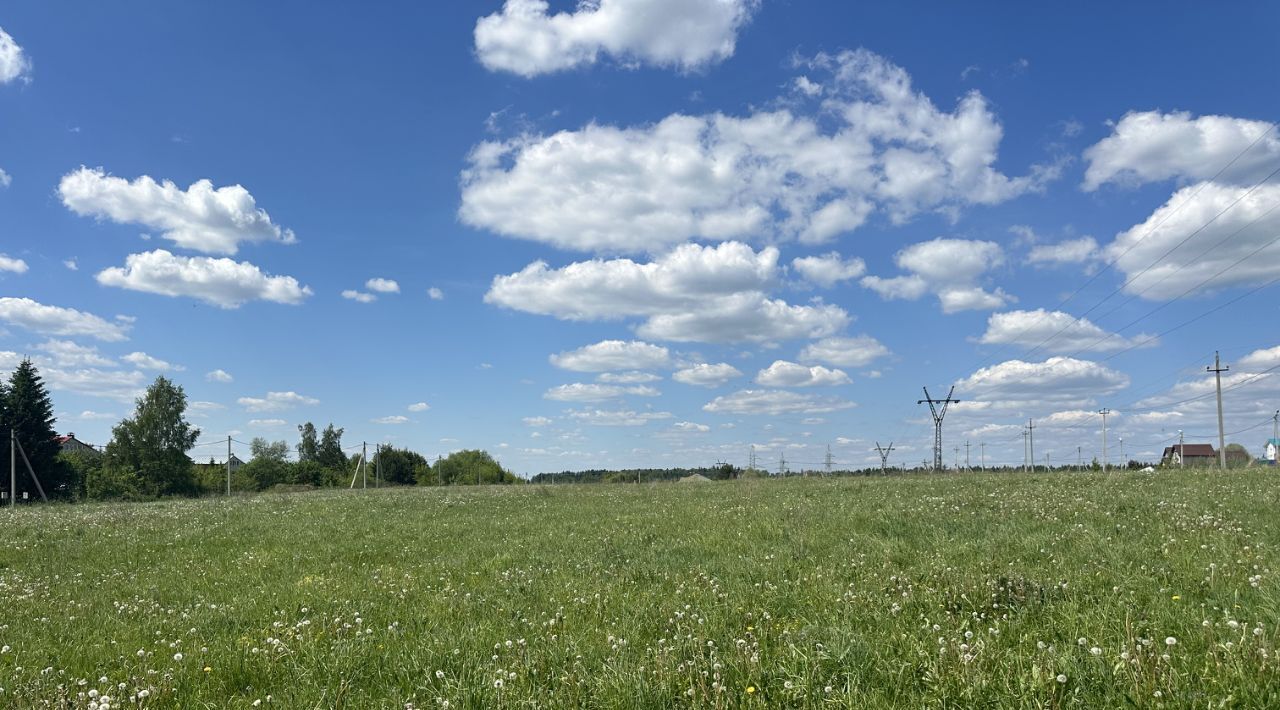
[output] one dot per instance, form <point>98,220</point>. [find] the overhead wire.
<point>1081,318</point>
<point>1110,264</point>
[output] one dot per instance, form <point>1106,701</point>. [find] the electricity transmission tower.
<point>938,414</point>
<point>782,464</point>
<point>828,461</point>
<point>884,457</point>
<point>1217,371</point>
<point>751,458</point>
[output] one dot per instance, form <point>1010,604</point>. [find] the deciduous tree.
<point>152,445</point>
<point>308,444</point>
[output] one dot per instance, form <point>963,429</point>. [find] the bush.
<point>113,482</point>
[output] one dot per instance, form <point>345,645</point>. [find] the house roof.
<point>1190,450</point>
<point>69,437</point>
<point>216,461</point>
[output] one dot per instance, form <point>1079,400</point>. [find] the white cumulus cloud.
<point>119,385</point>
<point>948,268</point>
<point>1056,331</point>
<point>612,355</point>
<point>419,407</point>
<point>359,296</point>
<point>276,402</point>
<point>789,374</point>
<point>66,353</point>
<point>1071,251</point>
<point>707,374</point>
<point>382,285</point>
<point>218,376</point>
<point>12,264</point>
<point>856,351</point>
<point>201,218</point>
<point>391,419</point>
<point>222,282</point>
<point>829,269</point>
<point>14,63</point>
<point>774,402</point>
<point>1151,146</point>
<point>435,294</point>
<point>621,417</point>
<point>1186,247</point>
<point>693,293</point>
<point>1061,381</point>
<point>526,39</point>
<point>634,377</point>
<point>592,392</point>
<point>144,361</point>
<point>813,172</point>
<point>56,320</point>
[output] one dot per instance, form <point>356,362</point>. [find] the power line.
<point>1109,265</point>
<point>1194,260</point>
<point>1079,319</point>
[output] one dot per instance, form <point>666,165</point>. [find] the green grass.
<point>946,591</point>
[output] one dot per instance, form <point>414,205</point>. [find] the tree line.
<point>148,455</point>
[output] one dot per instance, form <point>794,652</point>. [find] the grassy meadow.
<point>1148,590</point>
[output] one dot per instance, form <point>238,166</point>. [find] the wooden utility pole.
<point>1275,437</point>
<point>228,464</point>
<point>13,469</point>
<point>1217,371</point>
<point>1104,412</point>
<point>1031,436</point>
<point>34,478</point>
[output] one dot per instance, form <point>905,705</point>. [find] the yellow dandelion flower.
<point>1176,597</point>
<point>207,669</point>
<point>751,689</point>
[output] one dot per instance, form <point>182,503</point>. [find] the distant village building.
<point>1273,447</point>
<point>1189,455</point>
<point>69,444</point>
<point>221,465</point>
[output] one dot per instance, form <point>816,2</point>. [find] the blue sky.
<point>646,232</point>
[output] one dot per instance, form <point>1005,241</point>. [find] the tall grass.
<point>1014,591</point>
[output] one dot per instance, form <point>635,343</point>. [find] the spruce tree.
<point>28,411</point>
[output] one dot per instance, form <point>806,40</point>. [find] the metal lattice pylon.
<point>938,414</point>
